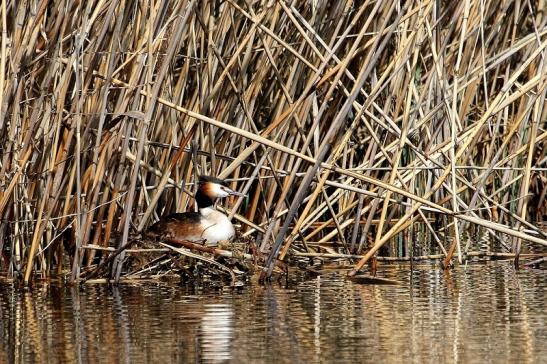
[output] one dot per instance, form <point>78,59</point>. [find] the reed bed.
<point>355,127</point>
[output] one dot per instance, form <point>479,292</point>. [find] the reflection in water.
<point>317,321</point>
<point>479,314</point>
<point>121,317</point>
<point>216,332</point>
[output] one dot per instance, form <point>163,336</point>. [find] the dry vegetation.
<point>411,126</point>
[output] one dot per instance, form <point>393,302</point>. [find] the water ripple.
<point>481,313</point>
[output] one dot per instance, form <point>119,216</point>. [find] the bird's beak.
<point>235,193</point>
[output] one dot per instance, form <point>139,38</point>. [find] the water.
<point>479,314</point>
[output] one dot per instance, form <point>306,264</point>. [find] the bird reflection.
<point>216,332</point>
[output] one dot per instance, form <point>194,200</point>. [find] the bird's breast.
<point>217,227</point>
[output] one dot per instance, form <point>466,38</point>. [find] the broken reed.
<point>344,121</point>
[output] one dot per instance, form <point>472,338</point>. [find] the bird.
<point>207,225</point>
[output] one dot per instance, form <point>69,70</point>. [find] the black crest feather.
<point>205,179</point>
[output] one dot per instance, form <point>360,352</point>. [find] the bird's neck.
<point>204,201</point>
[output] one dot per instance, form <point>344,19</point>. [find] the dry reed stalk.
<point>523,203</point>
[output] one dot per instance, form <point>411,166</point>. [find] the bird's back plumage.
<point>181,226</point>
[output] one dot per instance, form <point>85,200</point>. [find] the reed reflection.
<point>482,313</point>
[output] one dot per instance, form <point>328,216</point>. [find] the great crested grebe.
<point>208,224</point>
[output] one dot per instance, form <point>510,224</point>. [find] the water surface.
<point>479,314</point>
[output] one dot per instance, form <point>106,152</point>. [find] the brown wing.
<point>182,226</point>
